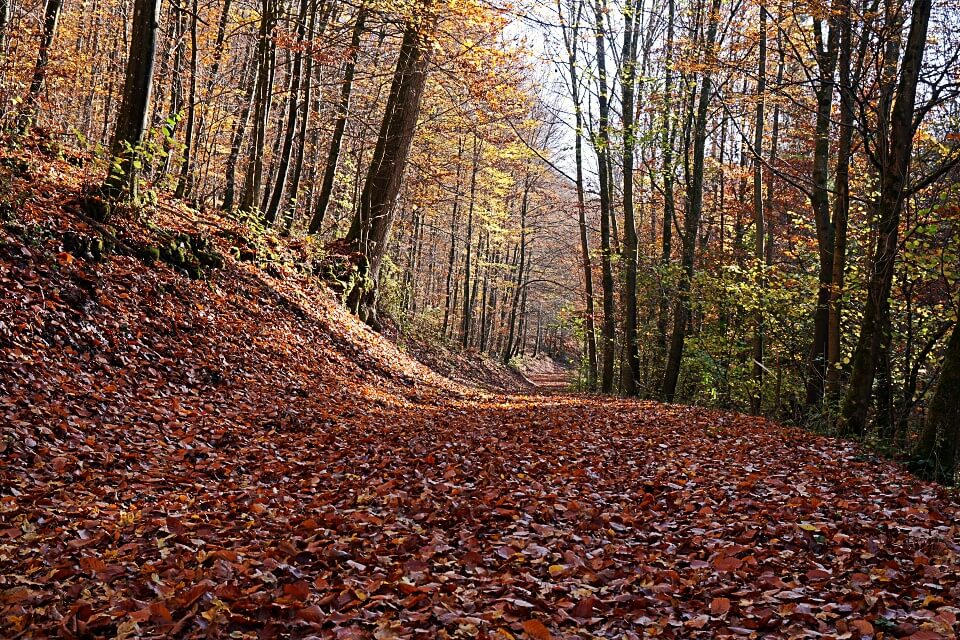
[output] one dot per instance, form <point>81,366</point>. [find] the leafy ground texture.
<point>235,456</point>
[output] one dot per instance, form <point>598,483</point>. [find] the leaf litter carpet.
<point>238,458</point>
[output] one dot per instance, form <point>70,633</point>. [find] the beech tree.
<point>132,116</point>
<point>371,225</point>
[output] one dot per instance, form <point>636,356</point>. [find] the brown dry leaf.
<point>719,606</point>
<point>536,630</point>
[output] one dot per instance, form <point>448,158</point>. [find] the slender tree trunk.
<point>448,304</point>
<point>261,110</point>
<point>4,20</point>
<point>51,17</point>
<point>940,441</point>
<point>302,137</point>
<point>631,373</point>
<point>236,141</point>
<point>841,204</point>
<point>570,39</point>
<point>893,179</point>
<point>820,201</point>
<point>756,399</point>
<point>468,250</point>
<point>669,206</point>
<point>343,111</point>
<point>212,77</point>
<point>175,105</point>
<point>508,349</point>
<point>602,146</point>
<point>681,314</point>
<point>185,180</point>
<point>286,152</point>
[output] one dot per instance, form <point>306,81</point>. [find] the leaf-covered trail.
<point>238,457</point>
<point>476,517</point>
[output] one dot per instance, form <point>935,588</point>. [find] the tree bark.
<point>841,203</point>
<point>820,202</point>
<point>681,314</point>
<point>940,441</point>
<point>343,111</point>
<point>185,179</point>
<point>570,39</point>
<point>602,146</point>
<point>286,152</point>
<point>51,17</point>
<point>631,373</point>
<point>135,104</point>
<point>893,180</point>
<point>236,140</point>
<point>468,299</point>
<point>371,226</point>
<point>756,399</point>
<point>261,110</point>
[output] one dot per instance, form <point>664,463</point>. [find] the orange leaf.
<point>727,563</point>
<point>313,613</point>
<point>864,627</point>
<point>719,606</point>
<point>536,630</point>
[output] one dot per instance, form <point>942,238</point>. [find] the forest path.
<point>530,516</point>
<point>546,374</point>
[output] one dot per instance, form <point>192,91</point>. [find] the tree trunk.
<point>820,202</point>
<point>681,314</point>
<point>940,441</point>
<point>841,204</point>
<point>669,207</point>
<point>756,399</point>
<point>185,180</point>
<point>602,146</point>
<point>343,111</point>
<point>631,373</point>
<point>135,104</point>
<point>236,141</point>
<point>465,323</point>
<point>4,20</point>
<point>286,152</point>
<point>893,179</point>
<point>51,17</point>
<point>570,39</point>
<point>262,98</point>
<point>448,304</point>
<point>371,226</point>
<point>512,322</point>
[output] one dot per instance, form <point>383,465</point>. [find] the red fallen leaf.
<point>926,634</point>
<point>863,626</point>
<point>584,608</point>
<point>193,594</point>
<point>817,575</point>
<point>298,590</point>
<point>727,563</point>
<point>719,606</point>
<point>536,630</point>
<point>313,613</point>
<point>160,613</point>
<point>92,565</point>
<point>140,616</point>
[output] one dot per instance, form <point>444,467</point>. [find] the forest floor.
<point>236,456</point>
